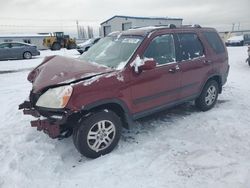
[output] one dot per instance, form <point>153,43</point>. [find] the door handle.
<point>207,61</point>
<point>174,70</point>
<point>177,67</point>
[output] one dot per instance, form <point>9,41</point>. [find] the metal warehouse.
<point>122,23</point>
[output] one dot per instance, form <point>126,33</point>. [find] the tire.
<point>249,62</point>
<point>27,55</point>
<point>56,46</point>
<point>208,96</point>
<point>97,134</point>
<point>71,46</point>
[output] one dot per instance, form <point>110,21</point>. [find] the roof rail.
<point>194,25</point>
<point>169,26</point>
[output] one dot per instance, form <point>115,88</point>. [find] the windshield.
<point>113,52</point>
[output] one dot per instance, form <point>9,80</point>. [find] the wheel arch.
<point>117,106</point>
<point>215,77</point>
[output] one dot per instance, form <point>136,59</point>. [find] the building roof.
<point>142,18</point>
<point>23,35</point>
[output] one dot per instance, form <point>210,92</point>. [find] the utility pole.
<point>77,26</point>
<point>233,26</point>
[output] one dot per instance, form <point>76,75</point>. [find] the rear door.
<point>153,89</point>
<point>17,50</point>
<point>193,63</point>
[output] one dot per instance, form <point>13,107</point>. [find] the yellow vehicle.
<point>58,40</point>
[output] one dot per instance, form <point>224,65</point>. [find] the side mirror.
<point>148,65</point>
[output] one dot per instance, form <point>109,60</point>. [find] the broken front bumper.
<point>49,122</point>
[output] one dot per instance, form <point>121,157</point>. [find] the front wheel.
<point>71,46</point>
<point>97,134</point>
<point>208,96</point>
<point>56,46</point>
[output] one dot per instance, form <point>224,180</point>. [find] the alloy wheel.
<point>211,95</point>
<point>101,135</point>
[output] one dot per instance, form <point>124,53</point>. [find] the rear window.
<point>17,45</point>
<point>215,42</point>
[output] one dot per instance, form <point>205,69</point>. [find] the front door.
<point>153,89</point>
<point>17,50</point>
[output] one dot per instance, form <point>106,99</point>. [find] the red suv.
<point>125,76</point>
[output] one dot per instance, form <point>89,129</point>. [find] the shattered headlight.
<point>55,97</point>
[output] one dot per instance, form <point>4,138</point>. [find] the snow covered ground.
<point>178,148</point>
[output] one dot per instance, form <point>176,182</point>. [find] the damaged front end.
<point>53,122</point>
<point>52,86</point>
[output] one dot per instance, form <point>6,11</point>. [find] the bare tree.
<point>82,32</point>
<point>90,32</point>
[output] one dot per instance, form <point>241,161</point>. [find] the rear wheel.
<point>27,55</point>
<point>56,46</point>
<point>97,134</point>
<point>208,96</point>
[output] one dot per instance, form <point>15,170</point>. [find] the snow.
<point>137,63</point>
<point>87,42</point>
<point>117,74</point>
<point>121,65</point>
<point>178,148</point>
<point>236,38</point>
<point>91,80</point>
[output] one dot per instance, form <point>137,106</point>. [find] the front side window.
<point>112,51</point>
<point>190,46</point>
<point>161,49</point>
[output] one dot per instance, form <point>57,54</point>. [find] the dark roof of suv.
<point>143,31</point>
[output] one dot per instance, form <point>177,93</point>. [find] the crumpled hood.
<point>55,70</point>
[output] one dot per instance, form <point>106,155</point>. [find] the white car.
<point>235,41</point>
<point>83,47</point>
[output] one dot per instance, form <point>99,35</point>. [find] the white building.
<point>122,23</point>
<point>36,39</point>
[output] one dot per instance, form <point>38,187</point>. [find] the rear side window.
<point>190,46</point>
<point>215,42</point>
<point>17,45</point>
